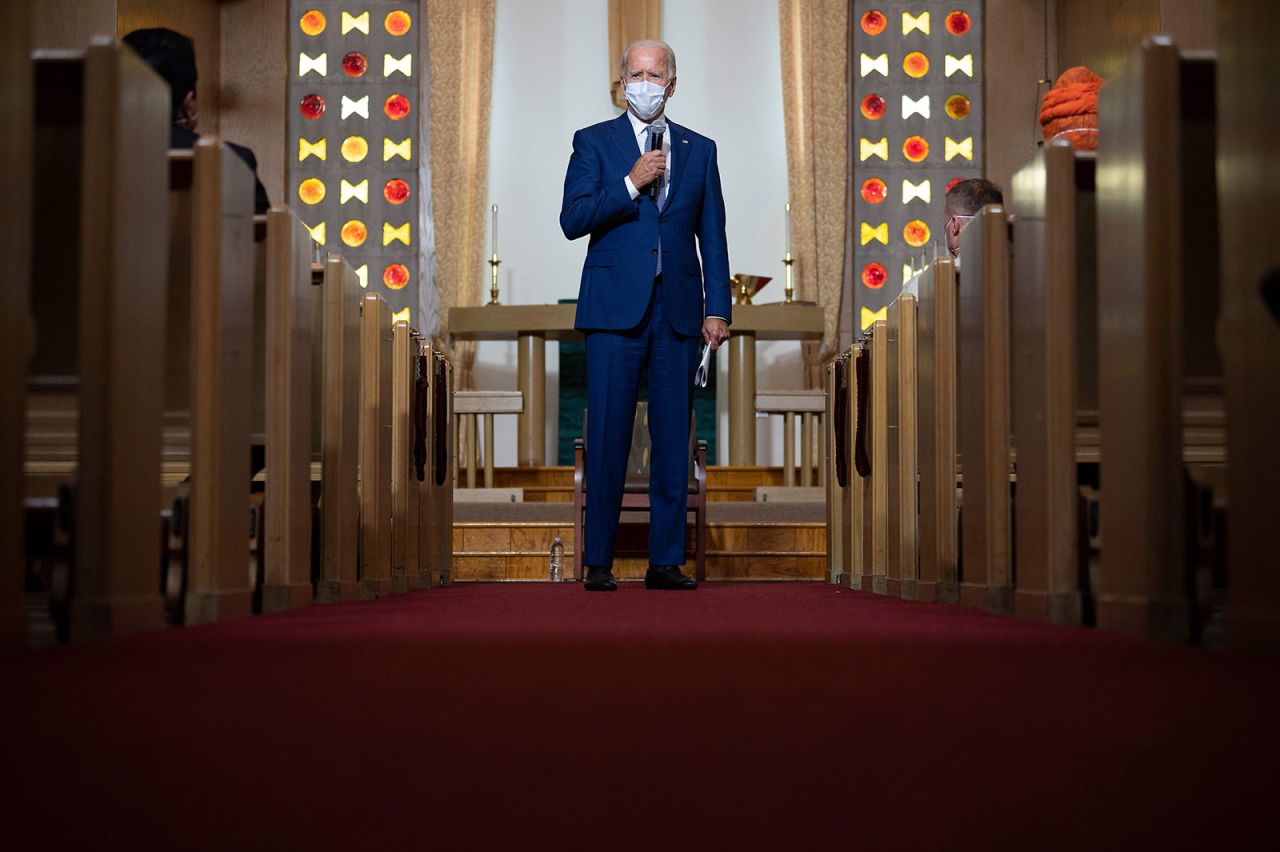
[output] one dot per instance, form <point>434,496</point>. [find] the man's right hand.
<point>647,169</point>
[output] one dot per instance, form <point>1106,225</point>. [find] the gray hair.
<point>648,42</point>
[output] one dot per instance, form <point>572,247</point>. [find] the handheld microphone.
<point>658,129</point>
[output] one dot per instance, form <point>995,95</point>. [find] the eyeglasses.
<point>947,227</point>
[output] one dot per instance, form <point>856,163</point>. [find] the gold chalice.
<point>746,286</point>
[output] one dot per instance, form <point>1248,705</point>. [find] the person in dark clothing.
<point>173,56</point>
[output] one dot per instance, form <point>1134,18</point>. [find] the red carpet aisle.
<point>539,717</point>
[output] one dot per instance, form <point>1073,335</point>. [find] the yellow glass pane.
<point>390,234</point>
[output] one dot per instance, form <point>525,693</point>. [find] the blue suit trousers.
<point>615,360</point>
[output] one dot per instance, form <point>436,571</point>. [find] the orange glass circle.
<point>354,233</point>
<point>874,190</point>
<point>397,22</point>
<point>874,22</point>
<point>957,106</point>
<point>874,276</point>
<point>916,64</point>
<point>915,149</point>
<point>354,149</point>
<point>312,22</point>
<point>311,191</point>
<point>396,107</point>
<point>396,191</point>
<point>873,106</point>
<point>958,23</point>
<point>395,276</point>
<point>916,233</point>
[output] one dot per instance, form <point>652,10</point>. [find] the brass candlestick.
<point>788,287</point>
<point>493,280</point>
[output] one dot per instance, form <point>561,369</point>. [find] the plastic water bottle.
<point>555,561</point>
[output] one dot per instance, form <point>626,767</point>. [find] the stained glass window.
<point>917,127</point>
<point>354,107</point>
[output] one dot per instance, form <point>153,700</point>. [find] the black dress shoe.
<point>600,580</point>
<point>668,577</point>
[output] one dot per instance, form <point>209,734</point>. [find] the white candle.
<point>494,235</point>
<point>788,227</point>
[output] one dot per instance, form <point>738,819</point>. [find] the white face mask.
<point>645,98</point>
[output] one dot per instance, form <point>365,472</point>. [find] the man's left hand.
<point>715,331</point>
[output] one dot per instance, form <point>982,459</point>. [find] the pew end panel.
<point>289,402</point>
<point>375,446</point>
<point>222,382</point>
<point>340,438</point>
<point>983,408</point>
<point>936,370</point>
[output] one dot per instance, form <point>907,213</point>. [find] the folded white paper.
<point>700,377</point>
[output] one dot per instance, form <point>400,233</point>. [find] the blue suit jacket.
<point>617,277</point>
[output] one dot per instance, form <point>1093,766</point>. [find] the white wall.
<point>551,76</point>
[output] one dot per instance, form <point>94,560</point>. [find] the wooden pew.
<point>838,460</point>
<point>855,505</point>
<point>440,528</point>
<point>1054,373</point>
<point>425,459</point>
<point>1158,289</point>
<point>375,446</point>
<point>17,105</point>
<point>983,410</point>
<point>108,296</point>
<point>901,447</point>
<point>221,356</point>
<point>340,441</point>
<point>936,360</point>
<point>290,340</point>
<point>875,501</point>
<point>405,485</point>
<point>1249,331</point>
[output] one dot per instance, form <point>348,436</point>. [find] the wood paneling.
<point>1015,48</point>
<point>255,67</point>
<point>69,24</point>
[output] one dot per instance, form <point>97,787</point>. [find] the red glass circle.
<point>873,106</point>
<point>396,107</point>
<point>915,148</point>
<point>874,190</point>
<point>874,276</point>
<point>311,106</point>
<point>874,22</point>
<point>395,276</point>
<point>354,64</point>
<point>958,22</point>
<point>395,191</point>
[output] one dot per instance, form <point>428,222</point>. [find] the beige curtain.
<point>630,20</point>
<point>815,103</point>
<point>460,56</point>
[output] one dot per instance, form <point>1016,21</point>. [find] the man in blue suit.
<point>644,303</point>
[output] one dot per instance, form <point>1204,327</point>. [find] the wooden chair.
<point>808,405</point>
<point>467,407</point>
<point>636,494</point>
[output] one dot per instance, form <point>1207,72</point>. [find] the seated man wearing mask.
<point>173,56</point>
<point>963,202</point>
